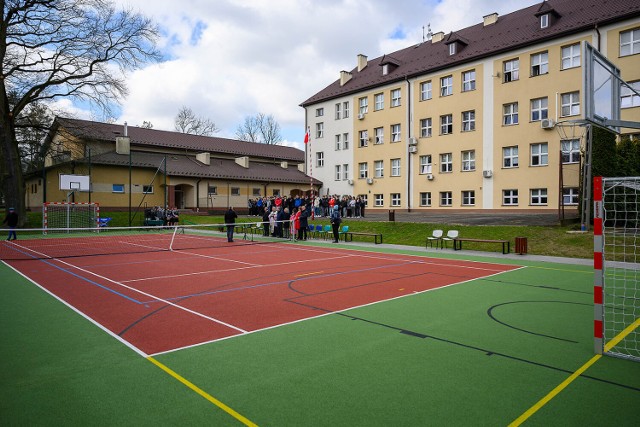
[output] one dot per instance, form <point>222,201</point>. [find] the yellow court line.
<point>309,274</point>
<point>522,418</point>
<point>203,393</point>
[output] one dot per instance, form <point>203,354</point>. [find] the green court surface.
<point>482,352</point>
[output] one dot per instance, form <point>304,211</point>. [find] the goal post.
<point>60,215</point>
<point>616,231</point>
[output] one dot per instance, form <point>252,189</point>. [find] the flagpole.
<point>307,141</point>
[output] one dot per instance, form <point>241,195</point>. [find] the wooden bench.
<point>457,243</point>
<point>356,233</point>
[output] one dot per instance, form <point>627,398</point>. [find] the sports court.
<point>113,326</point>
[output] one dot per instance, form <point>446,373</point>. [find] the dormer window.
<point>544,20</point>
<point>385,69</point>
<point>388,64</point>
<point>455,43</point>
<point>452,49</point>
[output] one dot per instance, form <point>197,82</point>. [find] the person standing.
<point>335,223</point>
<point>304,223</point>
<point>230,219</point>
<point>12,221</point>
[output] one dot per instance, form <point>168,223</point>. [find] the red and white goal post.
<point>63,215</point>
<point>616,261</point>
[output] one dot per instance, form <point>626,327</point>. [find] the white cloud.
<point>229,59</point>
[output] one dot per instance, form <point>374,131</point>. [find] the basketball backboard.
<point>74,182</point>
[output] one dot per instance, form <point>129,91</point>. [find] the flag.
<point>306,135</point>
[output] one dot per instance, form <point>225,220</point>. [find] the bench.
<point>356,233</point>
<point>153,222</point>
<point>457,243</point>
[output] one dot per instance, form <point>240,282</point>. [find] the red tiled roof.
<point>512,31</point>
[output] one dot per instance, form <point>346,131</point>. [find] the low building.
<point>137,167</point>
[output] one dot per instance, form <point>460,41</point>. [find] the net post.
<point>598,264</point>
<point>173,236</point>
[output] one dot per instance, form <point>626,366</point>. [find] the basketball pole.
<point>585,214</point>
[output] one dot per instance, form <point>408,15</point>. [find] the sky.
<point>231,59</point>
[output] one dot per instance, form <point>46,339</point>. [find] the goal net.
<point>62,215</point>
<point>617,265</point>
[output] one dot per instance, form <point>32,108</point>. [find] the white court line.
<point>179,307</point>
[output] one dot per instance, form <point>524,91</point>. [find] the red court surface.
<point>162,301</point>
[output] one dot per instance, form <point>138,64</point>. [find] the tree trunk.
<point>11,169</point>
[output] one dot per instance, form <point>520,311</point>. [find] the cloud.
<point>231,59</point>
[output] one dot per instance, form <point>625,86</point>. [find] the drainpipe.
<point>409,159</point>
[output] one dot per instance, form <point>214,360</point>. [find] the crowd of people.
<point>158,213</point>
<point>321,206</point>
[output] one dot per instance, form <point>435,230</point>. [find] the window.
<point>425,128</point>
<point>363,138</point>
<point>510,157</point>
<point>425,199</point>
<point>452,49</point>
<point>212,190</point>
<point>338,176</point>
<point>425,164</point>
<point>539,109</point>
<point>446,198</point>
<point>235,191</point>
<point>446,124</point>
<point>571,56</point>
<point>319,112</point>
<point>378,101</point>
<point>570,196</point>
<point>363,169</point>
<point>539,64</point>
<point>510,114</point>
<point>338,112</point>
<point>570,150</point>
<point>378,169</point>
<point>425,90</point>
<point>544,20</point>
<point>365,199</point>
<point>510,197</point>
<point>379,135</point>
<point>469,80</point>
<point>395,133</point>
<point>395,199</point>
<point>379,199</point>
<point>319,130</point>
<point>338,142</point>
<point>395,167</point>
<point>276,192</point>
<point>630,42</point>
<point>345,141</point>
<point>320,159</point>
<point>468,198</point>
<point>345,110</point>
<point>539,154</point>
<point>364,105</point>
<point>446,86</point>
<point>511,70</point>
<point>446,162</point>
<point>469,160</point>
<point>468,121</point>
<point>570,104</point>
<point>345,171</point>
<point>147,189</point>
<point>256,192</point>
<point>395,98</point>
<point>538,196</point>
<point>117,188</point>
<point>628,98</point>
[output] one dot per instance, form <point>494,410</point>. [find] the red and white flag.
<point>307,136</point>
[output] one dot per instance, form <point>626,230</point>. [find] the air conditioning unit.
<point>413,141</point>
<point>350,182</point>
<point>547,124</point>
<point>430,176</point>
<point>487,173</point>
<point>369,181</point>
<point>413,149</point>
<point>360,116</point>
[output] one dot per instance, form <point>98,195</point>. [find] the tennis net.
<point>39,243</point>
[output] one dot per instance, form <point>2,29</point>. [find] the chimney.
<point>125,129</point>
<point>243,161</point>
<point>437,37</point>
<point>490,19</point>
<point>345,76</point>
<point>204,158</point>
<point>362,62</point>
<point>284,165</point>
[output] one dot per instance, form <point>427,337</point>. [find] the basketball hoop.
<point>572,129</point>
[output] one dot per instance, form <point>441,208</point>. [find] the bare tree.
<point>260,128</point>
<point>50,49</point>
<point>188,122</point>
<point>146,125</point>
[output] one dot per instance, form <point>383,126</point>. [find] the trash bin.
<point>392,215</point>
<point>521,245</point>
